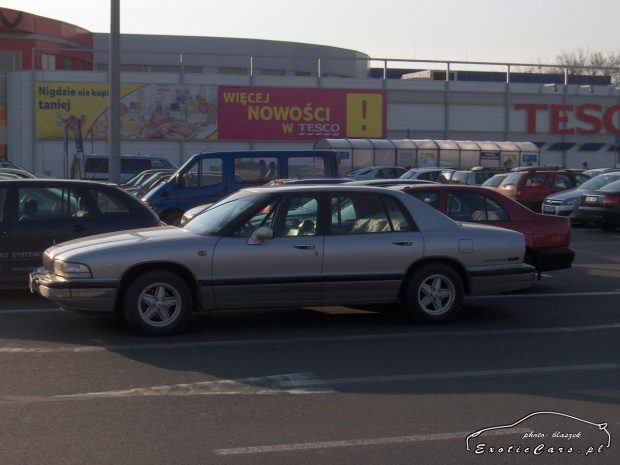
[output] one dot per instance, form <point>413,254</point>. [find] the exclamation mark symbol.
<point>364,111</point>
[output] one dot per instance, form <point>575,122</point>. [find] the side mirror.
<point>262,233</point>
<point>179,181</point>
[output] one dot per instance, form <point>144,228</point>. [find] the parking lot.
<point>329,385</point>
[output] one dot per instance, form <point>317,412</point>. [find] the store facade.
<point>185,98</point>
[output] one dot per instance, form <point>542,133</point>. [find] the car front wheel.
<point>434,294</point>
<point>158,303</point>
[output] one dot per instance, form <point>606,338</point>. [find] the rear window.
<point>460,177</point>
<point>483,176</point>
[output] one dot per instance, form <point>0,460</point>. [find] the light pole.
<point>114,147</point>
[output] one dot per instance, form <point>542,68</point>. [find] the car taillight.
<point>611,200</point>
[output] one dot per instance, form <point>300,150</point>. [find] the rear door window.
<point>536,180</point>
<point>206,172</point>
<point>367,214</point>
<point>473,206</point>
<point>428,197</point>
<point>308,167</point>
<point>256,170</point>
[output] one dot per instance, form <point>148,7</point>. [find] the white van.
<point>96,166</point>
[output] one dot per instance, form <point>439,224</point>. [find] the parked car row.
<point>601,207</point>
<point>239,251</point>
<point>567,203</point>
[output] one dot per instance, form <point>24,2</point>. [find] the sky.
<point>524,31</point>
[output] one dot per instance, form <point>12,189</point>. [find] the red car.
<point>547,239</point>
<point>531,186</point>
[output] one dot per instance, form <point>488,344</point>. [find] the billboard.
<point>148,111</point>
<point>269,113</point>
<point>198,112</point>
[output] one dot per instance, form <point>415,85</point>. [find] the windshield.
<point>511,180</point>
<point>599,181</point>
<point>460,177</point>
<point>216,217</point>
<point>494,181</point>
<point>612,186</point>
<point>409,174</point>
<point>359,171</point>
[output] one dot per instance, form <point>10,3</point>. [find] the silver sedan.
<point>288,247</point>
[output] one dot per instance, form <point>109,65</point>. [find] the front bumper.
<point>559,210</point>
<point>82,296</point>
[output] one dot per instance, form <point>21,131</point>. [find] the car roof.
<point>18,172</point>
<point>60,181</point>
<point>374,182</point>
<point>439,185</point>
<point>546,169</point>
<point>426,170</point>
<point>342,187</point>
<point>484,170</point>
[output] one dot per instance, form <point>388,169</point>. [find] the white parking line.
<point>448,375</point>
<point>359,442</point>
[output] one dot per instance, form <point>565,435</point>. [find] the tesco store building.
<point>184,95</point>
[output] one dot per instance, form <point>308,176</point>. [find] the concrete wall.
<point>416,109</point>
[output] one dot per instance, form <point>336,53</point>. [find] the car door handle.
<point>305,247</point>
<point>405,243</point>
<point>78,228</point>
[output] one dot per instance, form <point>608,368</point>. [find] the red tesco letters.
<point>594,117</point>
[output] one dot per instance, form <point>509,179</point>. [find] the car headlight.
<point>71,270</point>
<point>572,201</point>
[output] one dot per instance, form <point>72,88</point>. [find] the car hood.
<point>564,195</point>
<point>131,242</point>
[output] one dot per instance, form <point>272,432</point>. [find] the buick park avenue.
<point>289,247</point>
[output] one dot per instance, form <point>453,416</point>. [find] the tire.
<point>607,226</point>
<point>158,303</point>
<point>434,294</point>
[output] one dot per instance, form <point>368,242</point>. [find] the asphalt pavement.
<point>527,377</point>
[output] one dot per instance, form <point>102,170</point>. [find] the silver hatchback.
<point>287,247</point>
<point>565,203</point>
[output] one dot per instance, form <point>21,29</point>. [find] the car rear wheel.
<point>434,294</point>
<point>608,227</point>
<point>157,303</point>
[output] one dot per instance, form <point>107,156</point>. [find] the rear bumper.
<point>552,258</point>
<point>494,281</point>
<point>75,296</point>
<point>598,215</point>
